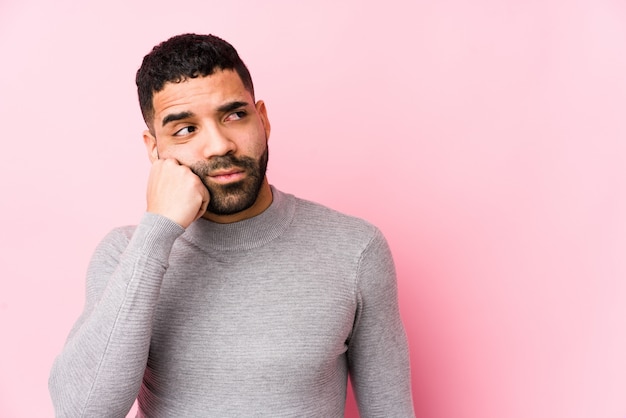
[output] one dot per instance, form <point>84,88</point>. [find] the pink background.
<point>485,138</point>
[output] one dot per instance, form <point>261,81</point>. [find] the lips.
<point>224,176</point>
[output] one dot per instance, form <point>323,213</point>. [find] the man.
<point>230,298</point>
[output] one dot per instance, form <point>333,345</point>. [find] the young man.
<point>230,298</point>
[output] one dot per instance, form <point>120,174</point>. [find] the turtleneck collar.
<point>247,234</point>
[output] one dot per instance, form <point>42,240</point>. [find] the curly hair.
<point>180,58</point>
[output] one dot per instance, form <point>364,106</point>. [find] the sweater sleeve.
<point>378,352</point>
<point>100,369</point>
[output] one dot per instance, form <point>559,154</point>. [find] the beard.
<point>235,197</point>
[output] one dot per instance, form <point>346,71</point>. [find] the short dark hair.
<point>180,58</point>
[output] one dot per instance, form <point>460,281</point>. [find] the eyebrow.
<point>230,106</point>
<point>226,107</point>
<point>173,117</point>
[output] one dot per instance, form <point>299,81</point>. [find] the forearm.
<point>100,369</point>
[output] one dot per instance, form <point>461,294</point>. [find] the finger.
<point>205,202</point>
<point>170,161</point>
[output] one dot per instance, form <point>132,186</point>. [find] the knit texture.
<point>264,317</point>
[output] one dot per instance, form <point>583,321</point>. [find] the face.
<point>212,125</point>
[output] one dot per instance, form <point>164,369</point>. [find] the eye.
<point>240,114</point>
<point>185,131</point>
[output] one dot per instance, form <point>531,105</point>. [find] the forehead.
<point>202,93</point>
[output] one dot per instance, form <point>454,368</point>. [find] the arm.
<point>378,352</point>
<point>100,369</point>
<point>99,372</point>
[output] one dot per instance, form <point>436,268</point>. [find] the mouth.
<point>227,176</point>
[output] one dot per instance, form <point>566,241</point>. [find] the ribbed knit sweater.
<point>263,317</point>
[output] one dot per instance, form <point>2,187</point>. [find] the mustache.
<point>203,168</point>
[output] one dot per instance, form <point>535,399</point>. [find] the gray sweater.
<point>264,317</point>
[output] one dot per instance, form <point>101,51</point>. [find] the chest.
<point>229,320</point>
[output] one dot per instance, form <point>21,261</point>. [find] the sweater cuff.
<point>155,236</point>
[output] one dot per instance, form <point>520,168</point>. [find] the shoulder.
<point>120,235</point>
<point>112,245</point>
<point>324,214</point>
<point>322,220</point>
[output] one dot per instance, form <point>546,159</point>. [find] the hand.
<point>175,192</point>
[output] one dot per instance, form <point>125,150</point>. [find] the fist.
<point>175,192</point>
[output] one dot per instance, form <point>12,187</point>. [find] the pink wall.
<point>485,138</point>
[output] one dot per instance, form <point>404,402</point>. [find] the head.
<point>197,99</point>
<point>183,57</point>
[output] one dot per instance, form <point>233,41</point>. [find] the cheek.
<point>256,150</point>
<point>258,144</point>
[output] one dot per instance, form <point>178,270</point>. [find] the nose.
<point>217,142</point>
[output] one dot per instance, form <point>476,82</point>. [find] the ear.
<point>262,111</point>
<point>151,146</point>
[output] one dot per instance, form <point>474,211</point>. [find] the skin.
<point>199,120</point>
